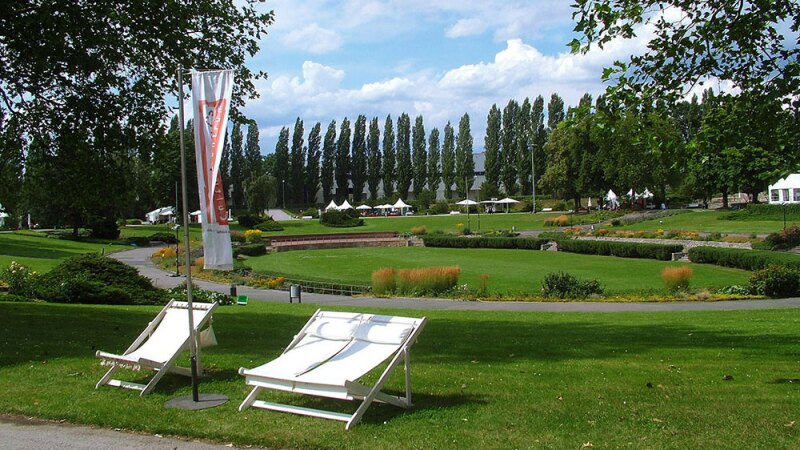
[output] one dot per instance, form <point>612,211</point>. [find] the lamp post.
<point>533,183</point>
<point>177,252</point>
<point>783,203</point>
<point>283,188</point>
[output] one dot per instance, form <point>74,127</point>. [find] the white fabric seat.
<point>159,345</point>
<point>329,355</point>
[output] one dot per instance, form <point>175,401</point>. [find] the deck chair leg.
<point>152,384</point>
<point>408,377</point>
<point>107,376</point>
<point>251,397</point>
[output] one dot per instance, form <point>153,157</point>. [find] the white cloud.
<point>313,38</point>
<point>466,27</point>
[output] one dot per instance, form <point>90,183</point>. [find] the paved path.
<point>20,433</point>
<point>140,258</point>
<point>279,214</point>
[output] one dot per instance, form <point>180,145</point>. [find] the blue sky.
<point>331,59</point>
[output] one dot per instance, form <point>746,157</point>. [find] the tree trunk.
<point>725,198</point>
<point>754,195</point>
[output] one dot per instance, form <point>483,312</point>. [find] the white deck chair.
<point>159,345</point>
<point>329,355</point>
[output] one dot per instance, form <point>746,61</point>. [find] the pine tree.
<point>295,182</point>
<point>388,158</point>
<point>465,164</point>
<point>555,112</point>
<point>523,161</point>
<point>359,161</point>
<point>492,145</point>
<point>225,168</point>
<point>342,170</point>
<point>282,164</point>
<point>373,159</point>
<point>448,161</point>
<point>237,167</point>
<point>312,165</point>
<point>434,172</point>
<point>404,169</point>
<point>328,162</point>
<point>420,156</point>
<point>252,153</point>
<point>538,138</point>
<point>509,150</point>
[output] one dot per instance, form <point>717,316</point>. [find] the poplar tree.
<point>359,161</point>
<point>294,180</point>
<point>388,158</point>
<point>252,153</point>
<point>373,159</point>
<point>538,138</point>
<point>282,164</point>
<point>404,169</point>
<point>225,168</point>
<point>448,161</point>
<point>492,145</point>
<point>465,164</point>
<point>237,166</point>
<point>328,162</point>
<point>434,172</point>
<point>523,161</point>
<point>342,170</point>
<point>555,112</point>
<point>420,156</point>
<point>312,165</point>
<point>509,150</point>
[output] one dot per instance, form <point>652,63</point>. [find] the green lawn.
<point>708,221</point>
<point>510,271</point>
<point>42,253</point>
<point>480,379</point>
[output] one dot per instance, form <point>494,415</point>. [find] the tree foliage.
<point>342,170</point>
<point>328,162</point>
<point>359,161</point>
<point>373,159</point>
<point>312,169</point>
<point>404,168</point>
<point>420,156</point>
<point>389,172</point>
<point>448,161</point>
<point>465,164</point>
<point>491,145</point>
<point>434,169</point>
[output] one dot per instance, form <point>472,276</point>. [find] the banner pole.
<point>188,261</point>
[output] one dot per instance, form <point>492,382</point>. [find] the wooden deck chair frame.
<point>352,390</point>
<point>119,361</point>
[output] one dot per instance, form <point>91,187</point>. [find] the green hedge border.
<point>742,259</point>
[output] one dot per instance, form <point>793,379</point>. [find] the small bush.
<point>776,281</point>
<point>565,285</point>
<point>238,236</point>
<point>734,289</point>
<point>96,279</point>
<point>15,298</point>
<point>162,236</point>
<point>133,222</point>
<point>269,225</point>
<point>139,241</point>
<point>165,252</point>
<point>384,281</point>
<point>269,283</point>
<point>341,219</point>
<point>200,262</point>
<point>249,220</point>
<point>252,236</point>
<point>18,278</point>
<point>428,280</point>
<point>198,295</point>
<point>483,285</point>
<point>104,228</point>
<point>250,250</point>
<point>313,212</point>
<point>440,207</point>
<point>560,221</point>
<point>677,278</point>
<point>784,240</point>
<point>419,230</point>
<point>742,259</point>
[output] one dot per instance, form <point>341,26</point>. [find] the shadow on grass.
<point>47,248</point>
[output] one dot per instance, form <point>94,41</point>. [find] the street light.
<point>177,252</point>
<point>283,184</point>
<point>533,183</point>
<point>783,203</point>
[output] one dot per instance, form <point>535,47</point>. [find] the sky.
<point>328,60</point>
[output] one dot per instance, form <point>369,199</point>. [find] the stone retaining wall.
<point>687,244</point>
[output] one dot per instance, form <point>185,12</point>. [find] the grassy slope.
<point>510,271</point>
<point>41,253</point>
<point>481,380</point>
<point>708,221</point>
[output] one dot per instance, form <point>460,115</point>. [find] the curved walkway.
<point>140,259</point>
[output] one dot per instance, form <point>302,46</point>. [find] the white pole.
<point>192,341</point>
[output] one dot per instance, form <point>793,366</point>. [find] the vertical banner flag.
<point>211,96</point>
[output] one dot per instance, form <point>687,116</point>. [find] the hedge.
<point>250,250</point>
<point>742,259</point>
<point>621,249</point>
<point>483,242</point>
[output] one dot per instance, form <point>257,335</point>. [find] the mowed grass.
<point>709,221</point>
<point>43,253</point>
<point>510,271</point>
<point>480,379</point>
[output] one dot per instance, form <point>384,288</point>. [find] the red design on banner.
<point>212,113</point>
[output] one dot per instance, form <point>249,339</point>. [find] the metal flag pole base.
<point>204,401</point>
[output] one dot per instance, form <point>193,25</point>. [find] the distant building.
<point>785,190</point>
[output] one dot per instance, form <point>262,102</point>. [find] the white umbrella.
<point>345,205</point>
<point>589,204</point>
<point>466,202</point>
<point>331,205</point>
<point>507,201</point>
<point>363,207</point>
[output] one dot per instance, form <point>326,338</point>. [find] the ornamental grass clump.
<point>676,279</point>
<point>419,230</point>
<point>428,280</point>
<point>384,280</point>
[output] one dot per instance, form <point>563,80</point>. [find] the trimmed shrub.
<point>252,236</point>
<point>341,219</point>
<point>742,259</point>
<point>250,250</point>
<point>96,279</point>
<point>776,281</point>
<point>440,207</point>
<point>162,236</point>
<point>238,236</point>
<point>384,281</point>
<point>313,212</point>
<point>568,286</point>
<point>620,249</point>
<point>269,225</point>
<point>419,230</point>
<point>133,222</point>
<point>676,278</point>
<point>104,228</point>
<point>784,240</point>
<point>482,242</point>
<point>427,280</point>
<point>249,220</point>
<point>139,241</point>
<point>18,278</point>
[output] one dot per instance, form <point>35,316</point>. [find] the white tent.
<point>632,194</point>
<point>401,205</point>
<point>612,199</point>
<point>646,194</point>
<point>331,205</point>
<point>3,218</point>
<point>344,206</point>
<point>363,207</point>
<point>785,190</point>
<point>196,216</point>
<point>155,215</point>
